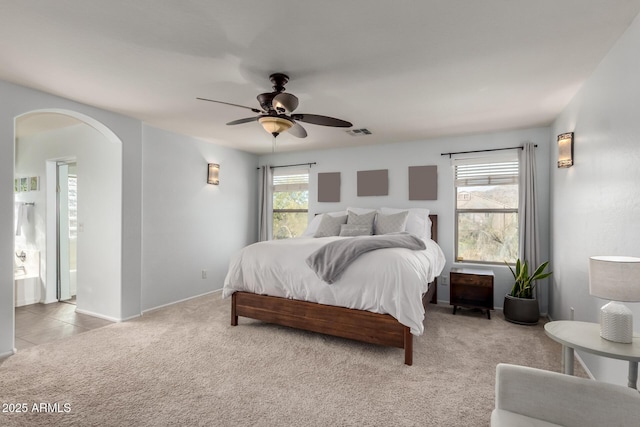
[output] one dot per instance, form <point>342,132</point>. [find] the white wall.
<point>189,225</point>
<point>99,167</point>
<point>223,218</point>
<point>397,157</point>
<point>596,203</point>
<point>17,100</point>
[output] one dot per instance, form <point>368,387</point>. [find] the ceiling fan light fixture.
<point>276,114</point>
<point>275,125</point>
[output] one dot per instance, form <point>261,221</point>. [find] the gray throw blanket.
<point>333,258</point>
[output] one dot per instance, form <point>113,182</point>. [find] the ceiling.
<point>404,69</point>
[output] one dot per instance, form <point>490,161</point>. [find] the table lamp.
<point>616,278</point>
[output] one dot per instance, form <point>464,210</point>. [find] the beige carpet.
<point>186,366</point>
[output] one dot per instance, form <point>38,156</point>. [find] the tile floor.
<point>42,323</point>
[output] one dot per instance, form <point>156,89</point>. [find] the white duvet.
<point>388,281</point>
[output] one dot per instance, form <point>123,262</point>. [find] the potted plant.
<point>520,305</point>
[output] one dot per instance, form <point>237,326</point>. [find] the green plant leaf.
<point>538,273</point>
<point>524,284</point>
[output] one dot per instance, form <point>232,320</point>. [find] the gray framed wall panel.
<point>423,182</point>
<point>373,183</point>
<point>329,187</point>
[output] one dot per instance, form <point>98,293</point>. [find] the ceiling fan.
<point>277,115</point>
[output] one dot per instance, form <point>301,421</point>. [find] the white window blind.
<point>474,172</point>
<point>292,180</point>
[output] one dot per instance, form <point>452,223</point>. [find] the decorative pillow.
<point>394,223</point>
<point>418,222</point>
<point>330,225</point>
<point>347,230</point>
<point>361,211</point>
<point>315,223</point>
<point>365,220</point>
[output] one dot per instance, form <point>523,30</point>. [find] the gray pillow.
<point>330,225</point>
<point>354,230</point>
<point>394,223</point>
<point>365,220</point>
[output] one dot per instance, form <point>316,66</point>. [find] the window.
<point>486,210</point>
<point>290,203</point>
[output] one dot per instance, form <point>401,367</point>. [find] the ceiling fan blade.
<point>297,130</point>
<point>285,100</point>
<point>255,110</point>
<point>241,121</point>
<point>321,120</point>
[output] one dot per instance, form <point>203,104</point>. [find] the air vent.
<point>359,132</point>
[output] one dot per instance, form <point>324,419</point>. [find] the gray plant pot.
<point>523,311</point>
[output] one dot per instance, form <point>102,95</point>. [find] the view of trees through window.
<point>289,213</point>
<point>487,223</point>
<point>290,203</point>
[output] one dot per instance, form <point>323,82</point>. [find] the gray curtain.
<point>529,249</point>
<point>266,203</point>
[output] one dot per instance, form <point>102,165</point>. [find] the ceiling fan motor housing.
<point>279,80</point>
<point>266,100</point>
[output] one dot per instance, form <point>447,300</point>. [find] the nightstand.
<point>471,288</point>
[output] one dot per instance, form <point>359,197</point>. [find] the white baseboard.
<point>24,302</point>
<point>584,366</point>
<point>102,316</point>
<point>442,302</point>
<point>126,319</point>
<point>179,301</point>
<point>577,356</point>
<point>114,319</point>
<point>8,353</point>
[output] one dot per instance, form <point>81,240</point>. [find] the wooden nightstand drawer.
<point>471,279</point>
<point>471,288</point>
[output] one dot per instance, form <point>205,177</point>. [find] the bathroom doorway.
<point>66,231</point>
<point>77,211</point>
<point>76,250</point>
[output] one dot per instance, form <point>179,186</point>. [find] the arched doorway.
<point>44,139</point>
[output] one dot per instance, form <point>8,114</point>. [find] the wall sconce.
<point>212,177</point>
<point>565,150</point>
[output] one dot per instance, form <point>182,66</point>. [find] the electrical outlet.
<point>204,274</point>
<point>444,280</point>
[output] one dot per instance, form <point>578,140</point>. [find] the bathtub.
<point>26,276</point>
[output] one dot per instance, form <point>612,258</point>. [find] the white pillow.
<point>418,222</point>
<point>330,225</point>
<point>366,220</point>
<point>361,211</point>
<point>315,223</point>
<point>347,230</point>
<point>394,223</point>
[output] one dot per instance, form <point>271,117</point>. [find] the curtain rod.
<point>288,166</point>
<point>482,151</point>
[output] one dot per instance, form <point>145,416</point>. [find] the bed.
<point>387,311</point>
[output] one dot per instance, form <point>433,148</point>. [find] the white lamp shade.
<point>616,278</point>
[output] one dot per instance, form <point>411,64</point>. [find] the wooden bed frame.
<point>374,328</point>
